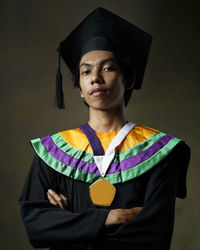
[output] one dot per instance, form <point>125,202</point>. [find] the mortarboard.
<point>104,30</point>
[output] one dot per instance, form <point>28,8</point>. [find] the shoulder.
<point>143,132</point>
<point>63,150</point>
<point>170,145</point>
<point>155,141</point>
<point>72,137</point>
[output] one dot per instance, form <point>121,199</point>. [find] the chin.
<point>105,106</point>
<point>100,107</point>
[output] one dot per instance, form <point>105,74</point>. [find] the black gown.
<point>83,226</point>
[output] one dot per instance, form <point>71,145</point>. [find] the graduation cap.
<point>104,30</point>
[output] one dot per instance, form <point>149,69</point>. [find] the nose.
<point>96,77</point>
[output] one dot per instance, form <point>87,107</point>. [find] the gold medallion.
<point>102,192</point>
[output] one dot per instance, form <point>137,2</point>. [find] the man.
<point>110,183</point>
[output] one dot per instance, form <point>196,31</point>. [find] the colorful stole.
<point>80,165</point>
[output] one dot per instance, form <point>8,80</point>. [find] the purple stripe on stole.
<point>93,139</point>
<point>54,150</point>
<point>116,167</point>
<point>139,158</point>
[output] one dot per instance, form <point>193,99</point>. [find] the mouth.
<point>98,91</point>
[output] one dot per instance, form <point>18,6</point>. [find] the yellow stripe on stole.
<point>77,139</point>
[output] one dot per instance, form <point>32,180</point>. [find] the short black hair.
<point>127,69</point>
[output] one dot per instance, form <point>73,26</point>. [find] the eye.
<point>108,68</point>
<point>85,72</point>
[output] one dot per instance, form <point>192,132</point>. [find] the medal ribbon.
<point>102,160</point>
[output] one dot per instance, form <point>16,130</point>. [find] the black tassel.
<point>59,99</point>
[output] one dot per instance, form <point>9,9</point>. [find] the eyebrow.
<point>100,62</point>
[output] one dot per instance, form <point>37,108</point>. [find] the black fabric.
<point>50,226</point>
<point>104,30</point>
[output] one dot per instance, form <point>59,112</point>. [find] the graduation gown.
<point>149,170</point>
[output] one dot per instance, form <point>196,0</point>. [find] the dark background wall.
<point>169,99</point>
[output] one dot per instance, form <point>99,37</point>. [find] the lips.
<point>97,91</point>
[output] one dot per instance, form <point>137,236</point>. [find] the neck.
<point>107,120</point>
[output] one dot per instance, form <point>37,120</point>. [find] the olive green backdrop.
<point>169,99</point>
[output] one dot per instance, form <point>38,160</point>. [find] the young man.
<point>110,183</point>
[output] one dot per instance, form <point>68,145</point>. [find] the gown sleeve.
<point>152,228</point>
<point>47,225</point>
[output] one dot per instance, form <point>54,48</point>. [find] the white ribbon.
<point>103,161</point>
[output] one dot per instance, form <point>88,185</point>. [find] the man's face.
<point>101,81</point>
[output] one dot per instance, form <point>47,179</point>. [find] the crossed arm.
<point>48,225</point>
<point>115,216</point>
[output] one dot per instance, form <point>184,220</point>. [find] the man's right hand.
<point>58,199</point>
<point>120,216</point>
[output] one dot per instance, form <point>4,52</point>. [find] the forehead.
<point>96,56</point>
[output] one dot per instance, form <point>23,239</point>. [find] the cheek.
<point>118,86</point>
<point>83,87</point>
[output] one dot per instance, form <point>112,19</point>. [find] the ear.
<point>81,94</point>
<point>131,84</point>
<point>80,91</point>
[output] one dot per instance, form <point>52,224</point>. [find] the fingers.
<point>131,213</point>
<point>65,200</point>
<point>118,216</point>
<point>126,215</point>
<point>57,200</point>
<point>51,199</point>
<point>136,210</point>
